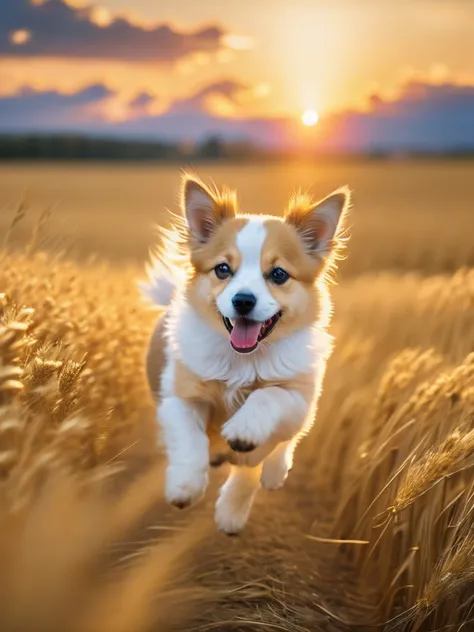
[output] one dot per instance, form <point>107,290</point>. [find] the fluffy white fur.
<point>162,284</point>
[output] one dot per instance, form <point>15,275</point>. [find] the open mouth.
<point>246,334</point>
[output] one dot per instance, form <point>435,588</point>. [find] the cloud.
<point>97,110</point>
<point>53,28</point>
<point>422,116</point>
<point>200,115</point>
<point>32,110</point>
<point>140,105</point>
<point>142,100</point>
<point>229,90</point>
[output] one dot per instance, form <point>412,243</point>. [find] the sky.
<point>379,73</point>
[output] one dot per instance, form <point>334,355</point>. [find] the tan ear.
<point>204,209</point>
<point>318,224</point>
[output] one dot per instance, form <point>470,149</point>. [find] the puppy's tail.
<point>161,284</point>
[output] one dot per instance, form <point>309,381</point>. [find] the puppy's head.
<point>258,278</point>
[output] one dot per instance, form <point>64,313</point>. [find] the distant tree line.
<point>74,147</point>
<point>64,147</point>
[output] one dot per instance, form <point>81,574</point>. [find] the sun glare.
<point>309,118</point>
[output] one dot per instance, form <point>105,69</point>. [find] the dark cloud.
<point>59,30</point>
<point>424,116</point>
<point>229,89</point>
<point>31,110</point>
<point>142,100</point>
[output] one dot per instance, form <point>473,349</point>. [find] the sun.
<point>309,118</point>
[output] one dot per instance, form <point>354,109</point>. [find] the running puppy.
<point>238,355</point>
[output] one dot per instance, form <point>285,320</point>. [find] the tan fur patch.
<point>299,297</point>
<point>156,358</point>
<point>221,247</point>
<point>283,247</point>
<point>203,286</point>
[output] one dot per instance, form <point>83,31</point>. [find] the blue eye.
<point>223,271</point>
<point>279,276</point>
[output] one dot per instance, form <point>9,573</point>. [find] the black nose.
<point>243,303</point>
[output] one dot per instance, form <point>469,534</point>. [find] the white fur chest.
<point>209,355</point>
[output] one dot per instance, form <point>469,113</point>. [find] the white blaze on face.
<point>249,277</point>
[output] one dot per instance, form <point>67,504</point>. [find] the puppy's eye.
<point>279,276</point>
<point>223,271</point>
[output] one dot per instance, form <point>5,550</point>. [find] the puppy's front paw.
<point>184,486</point>
<point>241,445</point>
<point>245,435</point>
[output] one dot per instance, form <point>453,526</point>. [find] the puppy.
<point>238,355</point>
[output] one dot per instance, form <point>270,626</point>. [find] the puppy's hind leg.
<point>277,465</point>
<point>236,498</point>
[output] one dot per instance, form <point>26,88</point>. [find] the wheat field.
<point>374,529</point>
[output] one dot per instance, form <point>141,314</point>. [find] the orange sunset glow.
<point>245,70</point>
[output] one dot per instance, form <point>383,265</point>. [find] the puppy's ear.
<point>204,209</point>
<point>318,224</point>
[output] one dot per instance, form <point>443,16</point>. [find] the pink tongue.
<point>245,333</point>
